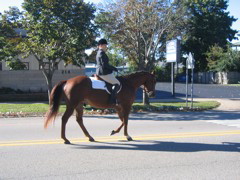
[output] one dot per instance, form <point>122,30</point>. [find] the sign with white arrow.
<point>190,61</point>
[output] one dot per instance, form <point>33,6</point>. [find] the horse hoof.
<point>129,138</point>
<point>112,133</point>
<point>67,142</point>
<point>91,139</point>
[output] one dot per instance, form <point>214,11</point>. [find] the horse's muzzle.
<point>151,94</point>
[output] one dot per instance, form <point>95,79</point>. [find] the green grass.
<point>40,109</point>
<point>176,106</point>
<point>27,108</point>
<point>231,84</point>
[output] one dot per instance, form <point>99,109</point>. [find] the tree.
<point>223,61</point>
<point>58,30</point>
<point>141,28</point>
<point>209,24</point>
<point>213,56</point>
<point>8,37</point>
<point>16,65</point>
<point>116,57</point>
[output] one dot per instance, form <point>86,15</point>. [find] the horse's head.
<point>149,85</point>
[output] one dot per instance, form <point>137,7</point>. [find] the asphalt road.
<point>164,91</point>
<point>180,145</point>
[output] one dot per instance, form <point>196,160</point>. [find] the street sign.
<point>190,61</point>
<point>173,56</point>
<point>190,65</point>
<point>173,50</point>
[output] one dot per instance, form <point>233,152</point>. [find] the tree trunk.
<point>49,84</point>
<point>145,98</point>
<point>48,77</point>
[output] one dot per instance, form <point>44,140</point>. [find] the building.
<point>236,46</point>
<point>31,78</point>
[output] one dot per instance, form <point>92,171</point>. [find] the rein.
<point>119,73</point>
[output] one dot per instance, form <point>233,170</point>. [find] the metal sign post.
<point>192,89</point>
<point>186,84</point>
<point>190,65</point>
<point>172,79</point>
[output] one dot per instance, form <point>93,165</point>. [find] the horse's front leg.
<point>117,130</point>
<point>120,115</point>
<point>123,115</point>
<point>79,114</point>
<point>125,131</point>
<point>129,138</point>
<point>126,112</point>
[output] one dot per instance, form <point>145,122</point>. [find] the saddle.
<point>99,83</point>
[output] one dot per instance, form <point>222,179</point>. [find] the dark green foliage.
<point>8,37</point>
<point>163,73</point>
<point>16,65</point>
<point>58,30</point>
<point>208,24</point>
<point>63,26</point>
<point>224,61</point>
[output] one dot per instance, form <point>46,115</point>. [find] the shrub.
<point>163,73</point>
<point>218,60</point>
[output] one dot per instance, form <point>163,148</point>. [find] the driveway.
<point>199,91</point>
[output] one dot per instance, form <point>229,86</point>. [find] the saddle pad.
<point>97,84</point>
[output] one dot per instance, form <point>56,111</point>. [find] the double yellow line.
<point>119,138</point>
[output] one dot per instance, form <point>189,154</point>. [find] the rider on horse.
<point>105,71</point>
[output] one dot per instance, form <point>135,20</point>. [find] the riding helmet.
<point>102,41</point>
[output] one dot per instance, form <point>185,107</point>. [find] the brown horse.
<point>78,90</point>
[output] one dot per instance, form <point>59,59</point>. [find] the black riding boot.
<point>113,96</point>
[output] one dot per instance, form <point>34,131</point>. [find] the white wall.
<point>33,80</point>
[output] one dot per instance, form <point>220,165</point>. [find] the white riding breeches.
<point>110,78</point>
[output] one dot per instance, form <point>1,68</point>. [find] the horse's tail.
<point>55,99</point>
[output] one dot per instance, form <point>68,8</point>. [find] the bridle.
<point>149,93</point>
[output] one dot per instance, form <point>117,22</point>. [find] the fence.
<point>217,77</point>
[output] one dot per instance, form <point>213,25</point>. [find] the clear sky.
<point>233,8</point>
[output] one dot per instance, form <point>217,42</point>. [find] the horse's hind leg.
<point>65,117</point>
<point>79,115</point>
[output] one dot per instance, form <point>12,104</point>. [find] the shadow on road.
<point>180,116</point>
<point>163,146</point>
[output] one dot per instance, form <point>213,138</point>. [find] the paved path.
<point>230,106</point>
<point>199,90</point>
<point>180,145</point>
